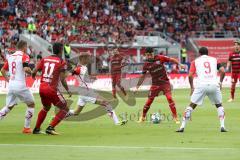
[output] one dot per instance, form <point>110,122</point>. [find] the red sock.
<point>171,105</point>
<point>58,117</point>
<point>233,90</point>
<point>147,106</point>
<point>173,110</point>
<point>41,117</point>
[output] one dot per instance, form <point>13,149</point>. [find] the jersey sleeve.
<point>25,60</point>
<point>193,67</point>
<point>163,58</point>
<point>76,71</point>
<point>5,66</point>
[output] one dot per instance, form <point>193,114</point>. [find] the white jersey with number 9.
<point>206,70</point>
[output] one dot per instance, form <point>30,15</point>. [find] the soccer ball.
<point>155,118</point>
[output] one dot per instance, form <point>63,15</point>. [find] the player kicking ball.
<point>87,95</point>
<point>53,69</point>
<point>154,65</point>
<point>206,69</point>
<point>17,66</point>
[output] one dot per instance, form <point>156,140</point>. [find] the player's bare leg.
<point>221,116</point>
<point>74,112</point>
<point>233,86</point>
<point>28,117</point>
<point>110,111</point>
<point>145,109</point>
<point>187,116</point>
<point>4,111</point>
<point>172,107</point>
<point>103,103</point>
<point>41,117</point>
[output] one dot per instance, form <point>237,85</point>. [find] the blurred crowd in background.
<point>119,21</point>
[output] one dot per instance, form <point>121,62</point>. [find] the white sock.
<point>28,117</point>
<point>187,116</point>
<point>112,114</point>
<point>221,115</point>
<point>70,113</point>
<point>4,111</point>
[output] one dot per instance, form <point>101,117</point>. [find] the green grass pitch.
<point>99,139</point>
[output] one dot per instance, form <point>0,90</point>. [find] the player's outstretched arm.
<point>38,68</point>
<point>63,76</point>
<point>175,61</point>
<point>222,75</point>
<point>190,79</point>
<point>228,65</point>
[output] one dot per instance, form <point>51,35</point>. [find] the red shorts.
<point>235,77</point>
<point>116,78</point>
<point>156,89</point>
<point>51,96</point>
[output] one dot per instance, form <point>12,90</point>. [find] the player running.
<point>160,81</point>
<point>116,64</point>
<point>234,62</point>
<point>17,66</point>
<point>53,70</point>
<point>206,69</point>
<point>87,95</point>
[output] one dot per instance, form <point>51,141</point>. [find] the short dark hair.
<point>203,51</point>
<point>21,44</point>
<point>57,48</point>
<point>149,50</point>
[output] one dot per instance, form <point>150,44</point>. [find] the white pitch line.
<point>116,147</point>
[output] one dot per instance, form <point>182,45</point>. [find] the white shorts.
<point>14,96</point>
<point>211,90</point>
<point>88,97</point>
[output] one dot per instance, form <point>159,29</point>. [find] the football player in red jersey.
<point>53,70</point>
<point>234,62</point>
<point>160,82</point>
<point>116,63</point>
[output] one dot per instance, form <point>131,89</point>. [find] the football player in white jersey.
<point>206,69</point>
<point>87,95</point>
<point>17,66</point>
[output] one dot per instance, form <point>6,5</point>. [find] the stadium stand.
<point>81,21</point>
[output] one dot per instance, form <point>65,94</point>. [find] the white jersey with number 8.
<point>206,70</point>
<point>14,65</point>
<point>17,89</point>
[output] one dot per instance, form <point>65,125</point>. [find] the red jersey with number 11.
<point>51,68</point>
